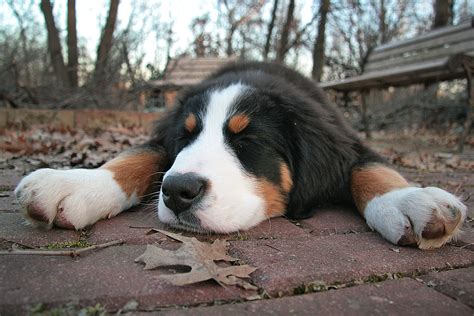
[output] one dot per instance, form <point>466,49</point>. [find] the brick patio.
<point>330,264</point>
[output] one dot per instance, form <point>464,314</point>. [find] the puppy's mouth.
<point>188,222</point>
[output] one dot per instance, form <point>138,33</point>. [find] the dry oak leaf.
<point>201,258</point>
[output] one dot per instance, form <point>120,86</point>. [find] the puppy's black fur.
<point>291,121</point>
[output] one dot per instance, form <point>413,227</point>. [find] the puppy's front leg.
<point>405,215</point>
<point>80,197</point>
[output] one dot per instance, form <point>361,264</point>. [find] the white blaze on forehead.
<point>220,108</point>
<point>210,144</point>
<point>232,203</point>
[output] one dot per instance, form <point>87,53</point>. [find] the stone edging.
<point>75,118</point>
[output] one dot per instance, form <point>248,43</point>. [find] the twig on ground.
<point>72,253</point>
<point>467,198</point>
<point>272,247</point>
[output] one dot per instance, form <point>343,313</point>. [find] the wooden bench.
<point>443,54</point>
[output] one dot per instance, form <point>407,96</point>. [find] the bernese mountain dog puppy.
<point>253,141</point>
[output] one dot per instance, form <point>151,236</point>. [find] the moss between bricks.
<point>67,310</point>
<point>67,245</point>
<point>321,286</point>
<point>81,243</point>
<point>239,237</point>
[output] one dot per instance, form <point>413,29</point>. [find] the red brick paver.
<point>9,179</point>
<point>131,226</point>
<point>8,203</point>
<point>335,220</point>
<point>275,228</point>
<point>400,297</point>
<point>284,265</point>
<point>13,228</point>
<point>108,277</point>
<point>458,284</point>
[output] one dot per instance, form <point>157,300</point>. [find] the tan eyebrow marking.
<point>190,122</point>
<point>238,123</point>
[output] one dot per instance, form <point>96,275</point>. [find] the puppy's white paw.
<point>428,217</point>
<point>71,199</point>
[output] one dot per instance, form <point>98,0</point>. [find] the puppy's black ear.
<point>162,132</point>
<point>322,154</point>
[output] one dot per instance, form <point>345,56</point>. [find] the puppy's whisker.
<point>158,172</point>
<point>157,193</point>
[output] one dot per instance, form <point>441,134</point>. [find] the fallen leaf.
<point>201,258</point>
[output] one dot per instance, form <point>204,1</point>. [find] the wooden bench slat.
<point>422,56</point>
<point>421,38</point>
<point>433,69</point>
<point>419,46</point>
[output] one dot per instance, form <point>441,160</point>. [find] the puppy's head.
<point>231,170</point>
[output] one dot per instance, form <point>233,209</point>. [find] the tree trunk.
<point>266,50</point>
<point>72,54</point>
<point>106,43</point>
<point>131,73</point>
<point>443,10</point>
<point>285,33</point>
<point>382,23</point>
<point>229,39</point>
<point>54,44</point>
<point>169,44</point>
<point>319,44</point>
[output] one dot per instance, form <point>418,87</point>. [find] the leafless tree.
<point>72,50</point>
<point>271,26</point>
<point>169,43</point>
<point>319,43</point>
<point>54,44</point>
<point>203,39</point>
<point>357,29</point>
<point>23,40</point>
<point>285,33</point>
<point>443,12</point>
<point>300,37</point>
<point>237,13</point>
<point>105,44</point>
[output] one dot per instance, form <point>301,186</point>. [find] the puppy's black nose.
<point>182,190</point>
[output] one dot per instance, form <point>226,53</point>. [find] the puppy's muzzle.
<point>182,191</point>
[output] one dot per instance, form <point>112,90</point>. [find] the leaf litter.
<point>202,258</point>
<point>54,147</point>
<point>49,147</point>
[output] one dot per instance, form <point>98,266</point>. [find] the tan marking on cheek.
<point>238,123</point>
<point>372,181</point>
<point>285,175</point>
<point>190,122</point>
<point>135,172</point>
<point>275,201</point>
